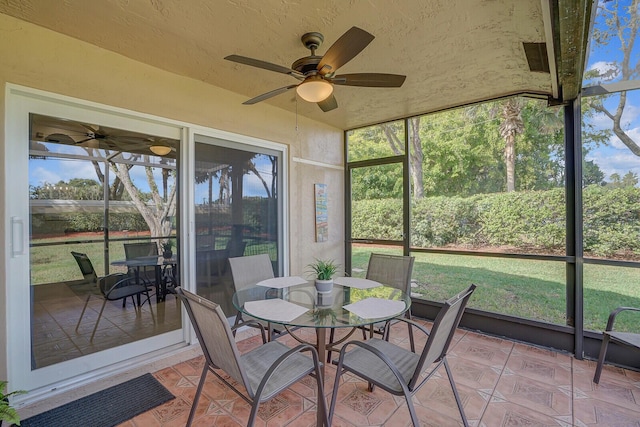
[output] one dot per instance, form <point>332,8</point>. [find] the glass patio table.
<point>351,303</point>
<point>156,261</point>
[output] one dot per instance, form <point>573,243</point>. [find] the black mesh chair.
<point>263,372</point>
<point>631,339</point>
<point>113,287</point>
<point>399,371</point>
<point>147,274</point>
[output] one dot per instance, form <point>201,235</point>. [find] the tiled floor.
<point>501,383</point>
<point>58,335</point>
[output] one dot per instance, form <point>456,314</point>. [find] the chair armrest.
<point>115,280</point>
<point>252,323</point>
<point>614,313</point>
<point>298,349</point>
<point>380,355</point>
<point>403,319</point>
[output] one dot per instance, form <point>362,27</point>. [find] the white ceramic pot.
<point>324,286</point>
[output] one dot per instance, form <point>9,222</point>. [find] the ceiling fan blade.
<point>344,50</point>
<point>369,80</point>
<point>268,95</point>
<point>262,64</point>
<point>328,104</point>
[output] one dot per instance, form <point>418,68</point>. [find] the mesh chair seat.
<point>365,364</point>
<point>125,291</point>
<point>258,362</point>
<point>628,338</point>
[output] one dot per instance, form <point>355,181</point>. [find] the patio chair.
<point>390,270</point>
<point>400,371</point>
<point>112,287</point>
<point>246,272</point>
<point>264,372</point>
<point>138,250</point>
<point>626,338</point>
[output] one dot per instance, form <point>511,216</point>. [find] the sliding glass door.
<point>238,211</point>
<point>86,181</point>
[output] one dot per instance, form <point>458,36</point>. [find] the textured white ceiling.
<point>452,51</point>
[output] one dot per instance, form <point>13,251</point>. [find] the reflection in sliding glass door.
<point>237,206</point>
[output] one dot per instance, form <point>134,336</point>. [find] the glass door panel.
<point>94,189</point>
<point>238,212</point>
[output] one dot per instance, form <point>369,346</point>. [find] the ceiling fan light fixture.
<point>160,150</point>
<point>314,89</point>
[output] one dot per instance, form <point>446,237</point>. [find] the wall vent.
<point>537,58</point>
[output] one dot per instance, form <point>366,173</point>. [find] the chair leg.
<point>334,395</point>
<point>83,310</point>
<point>196,397</point>
<point>254,411</point>
<point>411,342</point>
<point>412,411</point>
<point>104,302</point>
<point>455,392</point>
<point>150,306</point>
<point>603,351</point>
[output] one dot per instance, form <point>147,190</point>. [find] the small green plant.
<point>7,412</point>
<point>323,269</point>
<point>167,246</point>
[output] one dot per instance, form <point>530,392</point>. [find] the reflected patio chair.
<point>264,372</point>
<point>112,287</point>
<point>141,250</point>
<point>400,371</point>
<point>626,338</point>
<point>246,272</point>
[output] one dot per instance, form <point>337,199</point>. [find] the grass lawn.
<point>525,288</point>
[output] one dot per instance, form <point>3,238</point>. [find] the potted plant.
<point>323,271</point>
<point>8,412</point>
<point>167,251</point>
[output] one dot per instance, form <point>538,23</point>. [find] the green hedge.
<point>526,221</point>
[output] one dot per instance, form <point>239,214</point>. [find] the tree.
<point>416,157</point>
<point>591,174</point>
<point>620,22</point>
<point>510,127</point>
<point>157,216</point>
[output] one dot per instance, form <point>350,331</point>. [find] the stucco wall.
<point>39,58</point>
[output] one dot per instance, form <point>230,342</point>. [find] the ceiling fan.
<point>317,73</point>
<point>92,136</point>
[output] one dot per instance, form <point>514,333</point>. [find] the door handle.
<point>17,236</point>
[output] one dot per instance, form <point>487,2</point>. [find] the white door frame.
<point>20,102</point>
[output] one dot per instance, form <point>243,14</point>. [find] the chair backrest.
<point>391,270</point>
<point>137,250</point>
<point>442,332</point>
<point>86,268</point>
<point>214,334</point>
<point>249,270</point>
<point>235,248</point>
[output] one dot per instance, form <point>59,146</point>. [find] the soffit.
<point>453,52</point>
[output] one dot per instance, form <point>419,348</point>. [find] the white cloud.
<point>607,70</point>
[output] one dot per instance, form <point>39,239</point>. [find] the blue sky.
<point>615,157</point>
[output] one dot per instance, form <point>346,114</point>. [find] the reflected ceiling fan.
<point>317,73</point>
<point>108,138</point>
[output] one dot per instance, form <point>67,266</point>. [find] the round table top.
<point>303,306</point>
